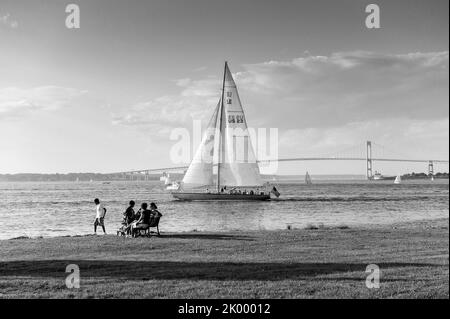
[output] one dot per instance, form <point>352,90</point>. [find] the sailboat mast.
<point>220,128</point>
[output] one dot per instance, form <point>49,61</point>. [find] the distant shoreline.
<point>97,177</point>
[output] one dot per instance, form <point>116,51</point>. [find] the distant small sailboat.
<point>308,180</point>
<point>432,178</point>
<point>398,179</point>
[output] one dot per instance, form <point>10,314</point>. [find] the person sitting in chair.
<point>154,211</point>
<point>128,218</point>
<point>143,221</point>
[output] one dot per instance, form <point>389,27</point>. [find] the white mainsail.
<point>398,179</point>
<point>237,160</point>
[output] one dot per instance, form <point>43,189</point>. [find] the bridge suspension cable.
<point>355,153</point>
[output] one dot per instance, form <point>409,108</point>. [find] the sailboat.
<point>308,180</point>
<point>171,185</point>
<point>225,165</point>
<point>398,179</point>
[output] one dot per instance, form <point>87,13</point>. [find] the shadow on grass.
<point>172,270</point>
<point>206,236</point>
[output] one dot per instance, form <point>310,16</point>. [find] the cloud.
<point>7,21</point>
<point>324,91</point>
<point>348,95</point>
<point>195,102</point>
<point>16,102</point>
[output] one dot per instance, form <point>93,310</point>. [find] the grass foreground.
<point>307,263</point>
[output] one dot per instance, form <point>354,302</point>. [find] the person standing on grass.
<point>100,216</point>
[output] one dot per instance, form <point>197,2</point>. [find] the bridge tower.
<point>430,168</point>
<point>369,160</point>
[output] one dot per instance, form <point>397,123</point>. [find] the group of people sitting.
<point>133,221</point>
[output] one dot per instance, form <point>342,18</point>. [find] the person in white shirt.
<point>100,216</point>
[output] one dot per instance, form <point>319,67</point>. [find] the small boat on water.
<point>224,166</point>
<point>379,177</point>
<point>171,185</point>
<point>398,179</point>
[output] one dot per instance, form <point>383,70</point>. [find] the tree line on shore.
<point>423,175</point>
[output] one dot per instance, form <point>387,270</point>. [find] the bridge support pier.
<point>369,172</point>
<point>430,168</point>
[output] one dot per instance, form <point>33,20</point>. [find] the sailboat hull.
<point>219,196</point>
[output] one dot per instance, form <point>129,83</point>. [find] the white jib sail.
<point>200,171</point>
<point>238,166</point>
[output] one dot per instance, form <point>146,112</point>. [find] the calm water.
<point>53,209</point>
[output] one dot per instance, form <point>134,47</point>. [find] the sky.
<point>107,96</point>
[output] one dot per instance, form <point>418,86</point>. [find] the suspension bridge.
<point>350,154</point>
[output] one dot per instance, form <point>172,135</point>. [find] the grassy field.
<point>308,263</point>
